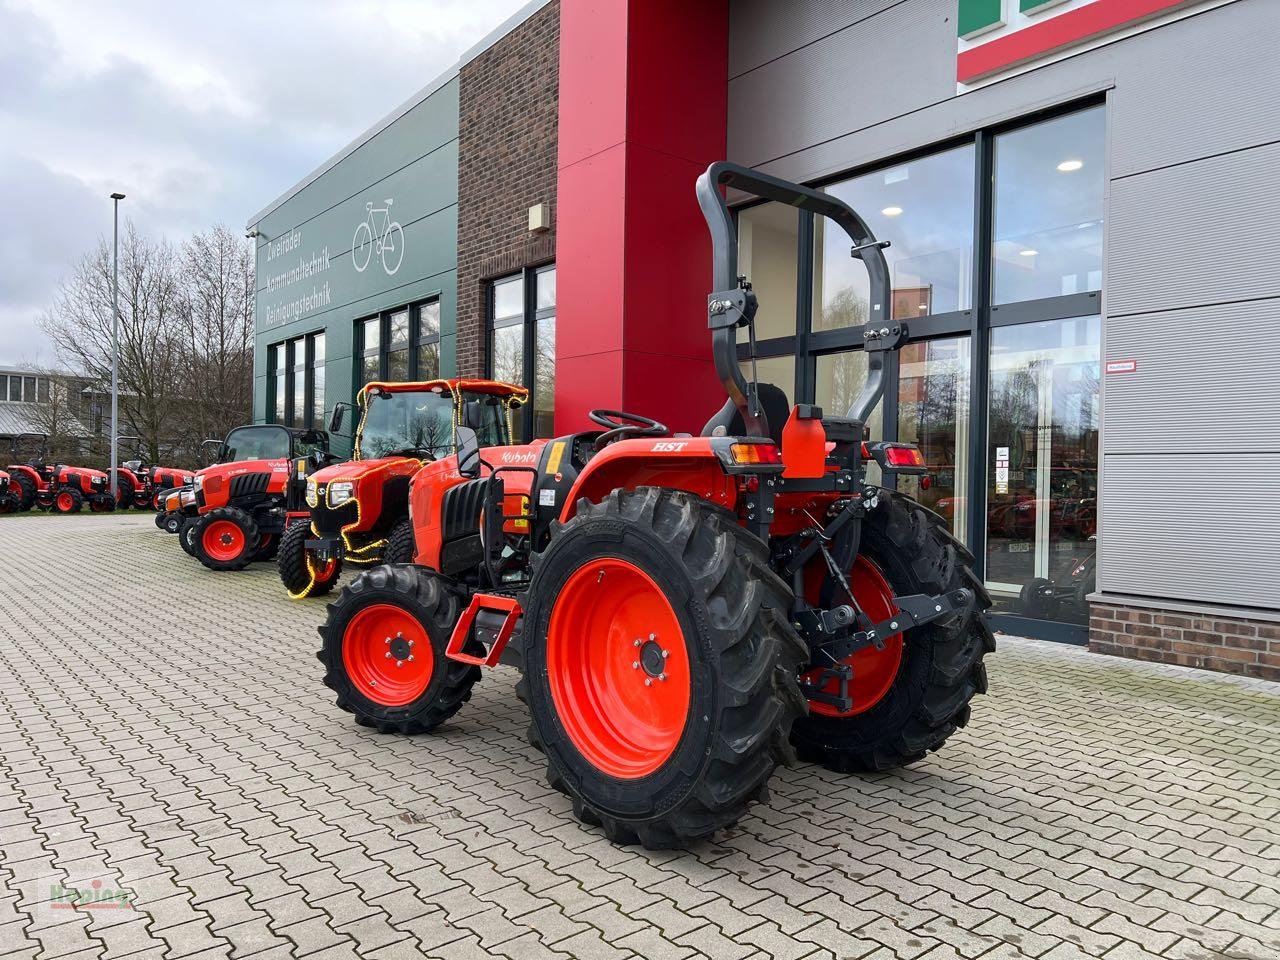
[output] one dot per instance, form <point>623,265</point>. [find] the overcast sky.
<point>199,113</point>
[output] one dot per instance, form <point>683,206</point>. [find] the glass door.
<point>933,413</point>
<point>1042,469</point>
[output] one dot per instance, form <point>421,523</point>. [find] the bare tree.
<point>152,354</point>
<point>216,307</point>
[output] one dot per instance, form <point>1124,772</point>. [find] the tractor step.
<point>489,603</point>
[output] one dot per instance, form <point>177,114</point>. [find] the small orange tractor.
<point>57,487</point>
<point>235,510</point>
<point>687,612</point>
<point>142,484</point>
<point>358,511</point>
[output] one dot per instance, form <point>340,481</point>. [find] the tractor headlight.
<point>99,481</point>
<point>313,493</point>
<point>341,492</point>
<point>198,483</point>
<point>186,497</point>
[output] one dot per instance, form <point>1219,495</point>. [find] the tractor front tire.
<point>226,539</point>
<point>383,649</point>
<point>26,491</point>
<point>124,493</point>
<point>187,536</point>
<point>659,666</point>
<point>302,575</point>
<point>925,699</point>
<point>400,546</point>
<point>68,500</point>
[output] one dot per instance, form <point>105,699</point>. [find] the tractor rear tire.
<point>68,500</point>
<point>299,572</point>
<point>408,685</point>
<point>124,493</point>
<point>661,580</point>
<point>26,491</point>
<point>187,536</point>
<point>941,667</point>
<point>400,546</point>
<point>225,539</point>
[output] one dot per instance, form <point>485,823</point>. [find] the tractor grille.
<point>461,507</point>
<point>329,521</point>
<point>249,485</point>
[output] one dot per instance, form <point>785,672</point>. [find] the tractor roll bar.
<point>724,259</point>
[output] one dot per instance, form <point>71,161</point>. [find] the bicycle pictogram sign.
<point>378,234</point>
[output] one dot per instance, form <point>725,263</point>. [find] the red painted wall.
<point>643,87</point>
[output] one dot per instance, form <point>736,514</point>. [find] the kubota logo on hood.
<point>996,36</point>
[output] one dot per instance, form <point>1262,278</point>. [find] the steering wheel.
<point>635,426</point>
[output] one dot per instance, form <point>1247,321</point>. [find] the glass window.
<point>933,413</point>
<point>29,389</point>
<point>1048,208</point>
<point>780,371</point>
<point>768,235</point>
<point>15,388</point>
<point>370,349</point>
<point>43,385</point>
<point>925,208</point>
<point>1042,470</point>
<point>4,386</point>
<point>298,371</point>
<point>546,293</point>
<point>398,366</point>
<point>399,327</point>
<point>280,369</point>
<point>427,330</point>
<point>507,354</point>
<point>372,334</point>
<point>317,380</point>
<point>368,369</point>
<point>508,299</point>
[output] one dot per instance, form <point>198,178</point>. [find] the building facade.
<point>1080,205</point>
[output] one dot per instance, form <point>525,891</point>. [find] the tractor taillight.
<point>754,453</point>
<point>901,456</point>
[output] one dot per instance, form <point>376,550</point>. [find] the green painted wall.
<point>307,278</point>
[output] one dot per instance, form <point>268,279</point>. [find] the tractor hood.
<point>356,470</point>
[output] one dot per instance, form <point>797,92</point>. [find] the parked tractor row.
<point>687,612</point>
<point>29,481</point>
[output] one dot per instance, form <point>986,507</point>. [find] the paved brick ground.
<point>165,733</point>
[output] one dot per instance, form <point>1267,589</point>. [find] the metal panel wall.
<point>1191,264</point>
<point>414,162</point>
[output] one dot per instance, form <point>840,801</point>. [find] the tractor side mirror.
<point>209,450</point>
<point>468,445</point>
<point>336,418</point>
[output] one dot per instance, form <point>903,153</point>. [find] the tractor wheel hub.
<point>653,658</point>
<point>400,648</point>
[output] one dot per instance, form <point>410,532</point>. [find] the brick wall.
<point>508,116</point>
<point>1228,644</point>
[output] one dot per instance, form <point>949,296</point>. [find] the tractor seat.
<point>777,410</point>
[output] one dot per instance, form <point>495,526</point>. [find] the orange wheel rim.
<point>64,502</point>
<point>873,670</point>
<point>223,540</point>
<point>387,655</point>
<point>618,668</point>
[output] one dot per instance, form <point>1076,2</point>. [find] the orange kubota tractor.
<point>236,509</point>
<point>687,612</point>
<point>358,511</point>
<point>142,484</point>
<point>55,486</point>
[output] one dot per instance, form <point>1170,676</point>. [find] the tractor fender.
<point>675,463</point>
<point>29,472</point>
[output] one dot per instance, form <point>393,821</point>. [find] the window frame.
<point>528,319</point>
<point>976,322</point>
<point>309,418</point>
<point>383,352</point>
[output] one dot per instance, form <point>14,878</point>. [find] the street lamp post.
<point>115,338</point>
